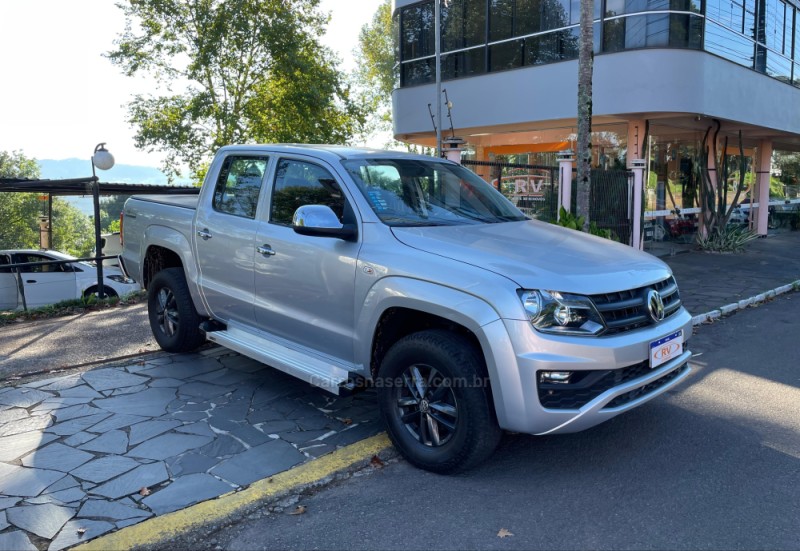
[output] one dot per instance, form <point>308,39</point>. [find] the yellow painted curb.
<point>168,526</point>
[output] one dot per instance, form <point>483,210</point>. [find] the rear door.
<point>46,284</point>
<point>9,297</point>
<point>305,285</point>
<point>224,240</point>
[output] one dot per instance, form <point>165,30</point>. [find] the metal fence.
<point>610,202</point>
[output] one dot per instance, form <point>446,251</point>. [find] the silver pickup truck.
<point>352,268</point>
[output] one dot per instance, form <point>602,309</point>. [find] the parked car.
<point>349,267</point>
<point>48,284</point>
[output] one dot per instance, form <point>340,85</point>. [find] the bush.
<point>730,239</point>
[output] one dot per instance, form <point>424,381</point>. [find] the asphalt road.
<point>715,464</point>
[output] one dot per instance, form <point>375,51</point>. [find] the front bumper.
<point>519,353</point>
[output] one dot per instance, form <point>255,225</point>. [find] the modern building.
<point>664,72</point>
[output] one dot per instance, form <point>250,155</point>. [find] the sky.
<point>60,97</point>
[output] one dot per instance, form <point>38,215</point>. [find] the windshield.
<point>412,192</point>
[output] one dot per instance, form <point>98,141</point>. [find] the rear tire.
<point>108,292</point>
<point>174,320</point>
<point>435,400</point>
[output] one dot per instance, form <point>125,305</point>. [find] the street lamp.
<point>103,160</point>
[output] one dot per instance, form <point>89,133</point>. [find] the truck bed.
<point>188,201</point>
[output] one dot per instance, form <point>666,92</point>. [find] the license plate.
<point>666,349</point>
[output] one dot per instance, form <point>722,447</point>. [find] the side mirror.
<point>321,221</point>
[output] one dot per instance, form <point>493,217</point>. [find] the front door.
<point>305,285</point>
<point>224,238</point>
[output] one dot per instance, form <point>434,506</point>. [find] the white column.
<point>764,166</point>
<point>452,148</point>
<point>637,149</point>
<point>638,166</point>
<point>565,161</point>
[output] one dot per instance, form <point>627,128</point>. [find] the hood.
<point>538,255</point>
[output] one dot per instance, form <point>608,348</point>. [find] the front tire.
<point>435,400</point>
<point>174,320</point>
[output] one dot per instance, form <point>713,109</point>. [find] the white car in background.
<point>48,284</point>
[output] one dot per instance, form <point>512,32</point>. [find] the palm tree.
<point>584,146</point>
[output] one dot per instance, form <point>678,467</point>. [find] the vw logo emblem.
<point>655,305</point>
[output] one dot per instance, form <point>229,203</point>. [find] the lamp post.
<point>103,160</point>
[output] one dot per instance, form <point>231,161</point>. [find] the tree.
<point>249,70</point>
<point>584,145</point>
<point>20,212</point>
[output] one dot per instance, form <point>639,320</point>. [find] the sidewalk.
<point>84,454</point>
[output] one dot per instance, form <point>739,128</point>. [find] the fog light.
<point>557,377</point>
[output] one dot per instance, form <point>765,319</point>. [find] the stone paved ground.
<point>88,453</point>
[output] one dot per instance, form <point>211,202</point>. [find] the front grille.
<point>585,386</point>
<point>623,399</point>
<point>627,310</point>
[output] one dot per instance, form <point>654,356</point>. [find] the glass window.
<point>575,11</point>
<point>555,14</point>
<point>797,37</point>
<point>685,31</point>
<point>729,13</point>
<point>779,67</point>
<point>506,55</point>
<point>462,64</point>
<point>298,183</point>
<point>417,31</point>
<point>463,24</point>
<point>501,19</point>
<point>238,185</point>
<point>5,259</point>
<point>732,46</point>
<point>655,30</point>
<point>796,79</point>
<point>552,47</point>
<point>421,71</point>
<point>529,16</point>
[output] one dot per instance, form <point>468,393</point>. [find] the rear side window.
<point>5,259</point>
<point>298,183</point>
<point>238,185</point>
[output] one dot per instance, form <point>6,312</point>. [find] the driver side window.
<point>298,183</point>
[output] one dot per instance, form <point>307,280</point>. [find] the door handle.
<point>265,250</point>
<point>204,233</point>
<point>30,281</point>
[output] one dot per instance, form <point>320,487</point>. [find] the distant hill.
<point>126,174</point>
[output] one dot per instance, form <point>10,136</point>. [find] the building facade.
<point>665,72</point>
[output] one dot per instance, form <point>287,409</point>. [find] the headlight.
<point>120,279</point>
<point>562,313</point>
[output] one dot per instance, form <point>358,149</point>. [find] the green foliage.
<point>606,233</point>
<point>246,70</point>
<point>730,239</point>
<point>16,165</point>
<point>569,220</point>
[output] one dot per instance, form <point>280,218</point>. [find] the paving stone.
<point>222,446</point>
<point>114,441</point>
<point>54,404</point>
<point>190,463</point>
<point>27,424</point>
<point>60,383</point>
<point>14,447</point>
<point>63,484</point>
<point>166,383</point>
<point>43,520</point>
<point>168,445</point>
<point>317,449</point>
<point>110,510</point>
<point>131,482</point>
<point>265,415</point>
<point>250,435</point>
<point>355,433</point>
<point>79,438</point>
<point>80,391</point>
<point>117,421</point>
<point>16,540</point>
<point>73,412</point>
<point>277,427</point>
<point>12,414</point>
<point>175,405</point>
<point>201,427</point>
<point>25,482</point>
<point>129,390</point>
<point>6,502</point>
<point>79,531</point>
<point>57,457</point>
<point>200,389</point>
<point>105,468</point>
<point>183,369</point>
<point>24,397</point>
<point>259,462</point>
<point>221,423</point>
<point>205,405</point>
<point>148,429</point>
<point>185,491</point>
<point>149,403</point>
<point>3,522</point>
<point>301,437</point>
<point>318,422</point>
<point>112,378</point>
<point>189,416</point>
<point>73,426</point>
<point>64,497</point>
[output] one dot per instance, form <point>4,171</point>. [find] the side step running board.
<point>311,369</point>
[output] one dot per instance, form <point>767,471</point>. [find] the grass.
<point>70,307</point>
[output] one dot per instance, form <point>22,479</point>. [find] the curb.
<point>158,529</point>
<point>742,304</point>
